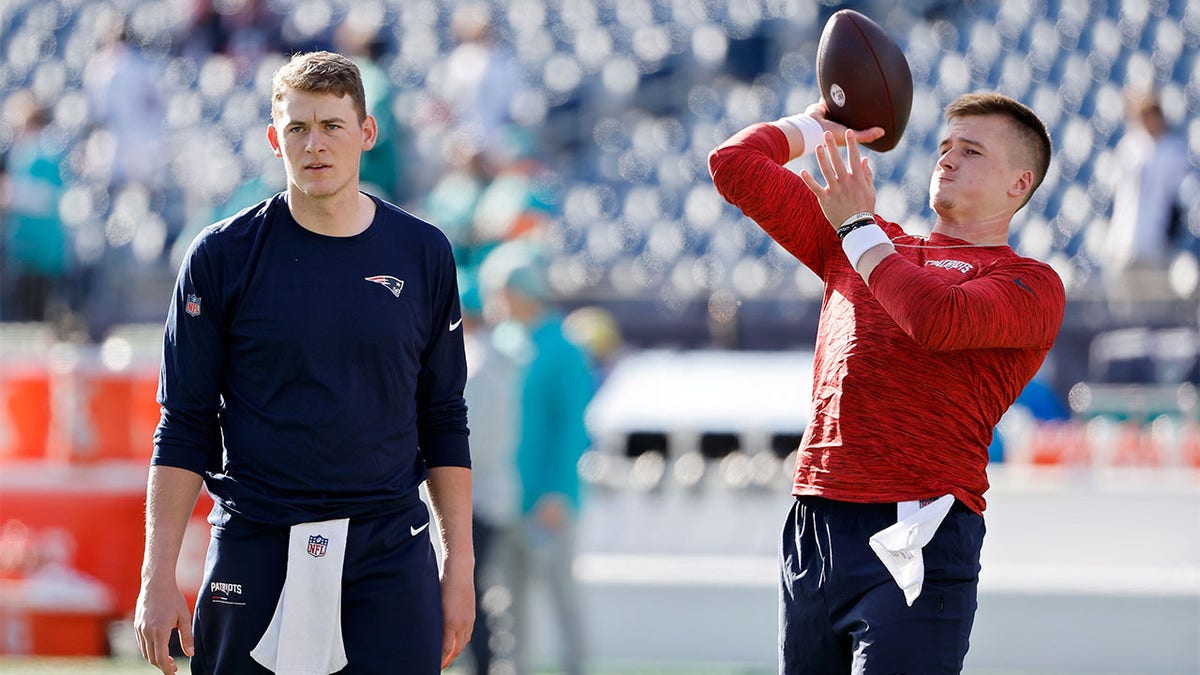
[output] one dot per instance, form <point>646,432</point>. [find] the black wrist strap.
<point>852,226</point>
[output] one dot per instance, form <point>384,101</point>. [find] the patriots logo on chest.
<point>391,283</point>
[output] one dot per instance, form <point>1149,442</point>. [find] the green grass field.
<point>62,666</point>
<point>89,666</point>
<point>99,666</point>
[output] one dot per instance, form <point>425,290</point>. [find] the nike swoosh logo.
<point>1022,285</point>
<point>454,325</point>
<point>417,530</point>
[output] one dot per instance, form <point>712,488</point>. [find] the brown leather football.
<point>864,77</point>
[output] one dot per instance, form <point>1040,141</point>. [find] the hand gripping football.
<point>864,77</point>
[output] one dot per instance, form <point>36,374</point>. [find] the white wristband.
<point>861,240</point>
<point>810,130</point>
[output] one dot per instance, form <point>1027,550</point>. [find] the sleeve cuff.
<point>446,450</point>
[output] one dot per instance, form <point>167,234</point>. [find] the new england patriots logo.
<point>391,283</point>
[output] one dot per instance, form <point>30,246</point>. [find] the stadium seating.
<point>634,94</point>
<point>623,100</point>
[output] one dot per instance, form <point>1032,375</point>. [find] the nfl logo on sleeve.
<point>192,307</point>
<point>317,545</point>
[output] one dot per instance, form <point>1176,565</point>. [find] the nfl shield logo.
<point>193,305</point>
<point>316,546</point>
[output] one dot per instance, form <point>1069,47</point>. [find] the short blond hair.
<point>320,73</point>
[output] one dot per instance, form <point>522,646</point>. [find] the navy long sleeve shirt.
<point>310,377</point>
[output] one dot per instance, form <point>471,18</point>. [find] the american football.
<point>864,77</point>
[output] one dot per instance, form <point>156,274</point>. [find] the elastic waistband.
<point>227,522</point>
<point>825,505</point>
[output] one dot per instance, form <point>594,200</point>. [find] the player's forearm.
<point>450,497</point>
<point>170,497</point>
<point>747,170</point>
<point>1000,310</point>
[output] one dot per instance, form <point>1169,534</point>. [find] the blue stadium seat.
<point>1069,60</point>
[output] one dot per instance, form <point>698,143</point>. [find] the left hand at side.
<point>458,611</point>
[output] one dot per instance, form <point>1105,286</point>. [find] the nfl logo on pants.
<point>317,545</point>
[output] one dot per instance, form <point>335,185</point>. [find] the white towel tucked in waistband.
<point>305,634</point>
<point>899,546</point>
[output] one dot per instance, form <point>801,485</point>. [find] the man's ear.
<point>370,132</point>
<point>1022,186</point>
<point>273,139</point>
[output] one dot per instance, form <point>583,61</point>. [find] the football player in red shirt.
<point>923,343</point>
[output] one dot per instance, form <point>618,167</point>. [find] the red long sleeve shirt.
<point>913,371</point>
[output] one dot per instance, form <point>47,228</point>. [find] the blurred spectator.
<point>126,102</point>
<point>1146,216</point>
<point>487,197</point>
<point>492,412</point>
<point>478,79</point>
<point>511,205</point>
<point>131,168</point>
<point>35,261</point>
<point>359,38</point>
<point>595,330</point>
<point>245,30</point>
<point>452,200</point>
<point>555,388</point>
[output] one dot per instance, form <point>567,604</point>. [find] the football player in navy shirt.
<point>312,378</point>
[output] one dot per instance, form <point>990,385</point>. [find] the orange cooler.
<point>24,408</point>
<point>102,403</point>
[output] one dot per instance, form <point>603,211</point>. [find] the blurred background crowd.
<point>582,128</point>
<point>130,124</point>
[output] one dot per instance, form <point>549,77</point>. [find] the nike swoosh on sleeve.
<point>455,324</point>
<point>1022,284</point>
<point>417,530</point>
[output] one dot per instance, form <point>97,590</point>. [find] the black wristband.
<point>852,226</point>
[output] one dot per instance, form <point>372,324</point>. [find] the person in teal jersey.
<point>35,243</point>
<point>555,389</point>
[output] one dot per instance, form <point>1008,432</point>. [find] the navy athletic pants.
<point>841,612</point>
<point>391,597</point>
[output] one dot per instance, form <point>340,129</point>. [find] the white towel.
<point>305,634</point>
<point>899,546</point>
